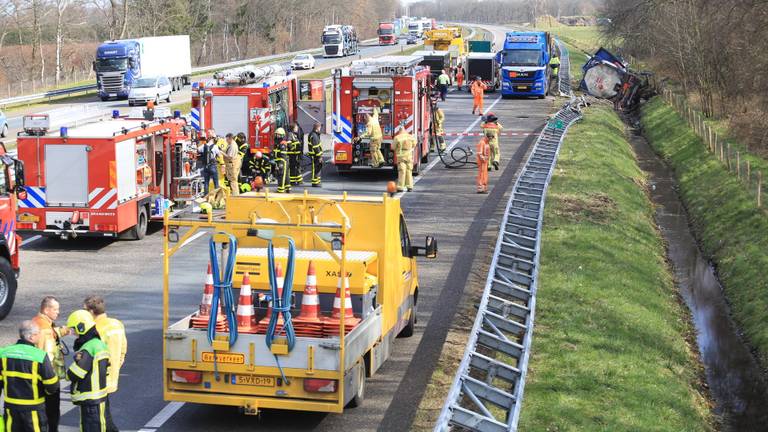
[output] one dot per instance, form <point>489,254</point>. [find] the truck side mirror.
<point>429,250</point>
<point>18,166</point>
<point>21,192</point>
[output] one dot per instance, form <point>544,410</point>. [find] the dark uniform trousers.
<point>281,169</point>
<point>20,420</point>
<point>316,153</point>
<point>294,160</point>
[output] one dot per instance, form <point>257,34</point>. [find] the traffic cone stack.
<point>246,319</point>
<point>331,325</point>
<point>261,328</point>
<point>309,323</point>
<point>204,312</point>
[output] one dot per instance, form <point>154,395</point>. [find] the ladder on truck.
<point>387,65</point>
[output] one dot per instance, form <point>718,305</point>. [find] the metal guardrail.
<point>564,72</point>
<point>487,391</point>
<point>195,71</point>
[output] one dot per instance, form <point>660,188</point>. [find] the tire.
<point>425,157</point>
<point>157,99</point>
<point>541,96</point>
<point>417,168</point>
<point>140,229</point>
<point>359,397</point>
<point>410,328</point>
<point>104,98</point>
<point>130,103</point>
<point>168,99</point>
<point>7,288</point>
<point>4,132</point>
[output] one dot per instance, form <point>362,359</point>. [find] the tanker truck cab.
<point>324,367</point>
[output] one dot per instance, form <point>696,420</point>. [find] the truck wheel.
<point>140,229</point>
<point>157,100</point>
<point>417,167</point>
<point>4,132</point>
<point>409,328</point>
<point>357,399</point>
<point>168,99</point>
<point>104,98</point>
<point>7,287</point>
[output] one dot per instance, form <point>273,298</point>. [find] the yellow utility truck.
<point>446,39</point>
<point>363,237</point>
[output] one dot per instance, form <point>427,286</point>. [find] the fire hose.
<point>281,304</point>
<point>460,157</point>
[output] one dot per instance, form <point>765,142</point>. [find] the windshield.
<point>331,38</point>
<point>145,83</point>
<point>522,58</point>
<point>112,64</point>
<point>413,26</point>
<point>385,31</point>
<point>301,57</point>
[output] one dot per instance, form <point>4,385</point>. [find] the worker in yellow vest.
<point>404,143</point>
<point>493,126</point>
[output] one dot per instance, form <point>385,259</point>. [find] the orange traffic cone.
<point>331,325</point>
<point>261,328</point>
<point>204,312</point>
<point>246,320</point>
<point>309,323</point>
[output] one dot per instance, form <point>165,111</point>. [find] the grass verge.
<point>732,232</point>
<point>609,347</point>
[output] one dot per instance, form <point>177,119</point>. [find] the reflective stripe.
<point>79,397</point>
<point>102,419</point>
<point>15,401</point>
<point>77,370</point>
<point>9,423</point>
<point>14,374</point>
<point>51,380</point>
<point>35,393</point>
<point>35,421</point>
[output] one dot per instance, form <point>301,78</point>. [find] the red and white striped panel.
<point>408,124</point>
<point>101,198</point>
<point>471,134</point>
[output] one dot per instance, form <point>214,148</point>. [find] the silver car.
<point>150,89</point>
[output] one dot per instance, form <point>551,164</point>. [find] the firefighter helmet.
<point>280,132</point>
<point>81,321</point>
<point>245,187</point>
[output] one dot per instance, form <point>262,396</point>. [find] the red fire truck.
<point>109,177</point>
<point>255,101</point>
<point>11,191</point>
<point>399,89</point>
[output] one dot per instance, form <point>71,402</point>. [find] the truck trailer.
<point>120,63</point>
<point>483,65</point>
<point>396,87</point>
<point>339,41</point>
<point>437,61</point>
<point>525,64</point>
<point>320,361</point>
<point>108,178</point>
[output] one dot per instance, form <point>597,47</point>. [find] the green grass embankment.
<point>610,350</point>
<point>729,227</point>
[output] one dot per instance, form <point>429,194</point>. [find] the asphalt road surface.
<point>129,275</point>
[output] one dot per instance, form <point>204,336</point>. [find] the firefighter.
<point>209,153</point>
<point>404,144</point>
<point>88,372</point>
<point>554,64</point>
<point>483,156</point>
<point>50,342</point>
<point>26,376</point>
<point>439,131</point>
<point>443,81</point>
<point>316,153</point>
<point>232,164</point>
<point>112,333</point>
<point>373,131</point>
<point>260,166</point>
<point>295,148</point>
<point>478,90</point>
<point>281,167</point>
<point>459,77</point>
<point>245,155</point>
<point>493,126</point>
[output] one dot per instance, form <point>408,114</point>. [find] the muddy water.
<point>735,380</point>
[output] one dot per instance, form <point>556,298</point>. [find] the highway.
<point>129,275</point>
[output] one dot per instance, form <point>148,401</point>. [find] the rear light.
<point>186,376</point>
<point>26,225</point>
<point>315,385</point>
<point>104,227</point>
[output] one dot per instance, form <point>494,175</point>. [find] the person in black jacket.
<point>26,376</point>
<point>316,154</point>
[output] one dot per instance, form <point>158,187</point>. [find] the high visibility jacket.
<point>483,150</point>
<point>88,373</point>
<point>26,376</point>
<point>494,127</point>
<point>50,342</point>
<point>373,128</point>
<point>439,120</point>
<point>112,332</point>
<point>443,79</point>
<point>404,144</point>
<point>260,166</point>
<point>555,61</point>
<point>315,146</point>
<point>478,87</point>
<point>294,145</point>
<point>279,150</point>
<point>242,146</point>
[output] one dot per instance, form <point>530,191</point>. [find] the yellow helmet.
<point>245,187</point>
<point>206,208</point>
<point>81,321</point>
<point>280,132</point>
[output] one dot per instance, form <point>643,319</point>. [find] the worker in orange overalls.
<point>478,90</point>
<point>483,156</point>
<point>459,77</point>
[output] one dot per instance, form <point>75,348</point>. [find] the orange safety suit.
<point>483,156</point>
<point>459,78</point>
<point>477,89</point>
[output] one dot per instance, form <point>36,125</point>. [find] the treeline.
<point>502,11</point>
<point>716,52</point>
<point>53,41</point>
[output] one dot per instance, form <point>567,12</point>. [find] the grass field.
<point>732,232</point>
<point>609,346</point>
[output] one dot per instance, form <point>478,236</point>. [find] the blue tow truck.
<point>525,64</point>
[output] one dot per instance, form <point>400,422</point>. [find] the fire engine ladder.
<point>387,65</point>
<point>487,391</point>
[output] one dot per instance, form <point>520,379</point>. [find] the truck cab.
<point>386,33</point>
<point>116,65</point>
<point>363,240</point>
<point>524,64</point>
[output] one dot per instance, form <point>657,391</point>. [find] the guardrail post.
<point>749,176</point>
<point>728,155</point>
<point>759,189</point>
<point>738,165</point>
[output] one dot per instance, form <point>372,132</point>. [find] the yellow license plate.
<point>26,217</point>
<point>232,358</point>
<point>341,156</point>
<point>253,380</point>
<point>522,88</point>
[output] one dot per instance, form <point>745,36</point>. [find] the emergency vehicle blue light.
<point>63,131</point>
<point>115,113</point>
<point>177,114</point>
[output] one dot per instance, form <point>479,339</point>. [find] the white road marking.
<point>31,239</point>
<point>163,416</point>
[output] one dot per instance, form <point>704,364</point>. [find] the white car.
<point>150,89</point>
<point>303,61</point>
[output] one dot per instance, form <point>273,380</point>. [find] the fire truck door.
<point>66,175</point>
<point>312,104</point>
<point>230,115</point>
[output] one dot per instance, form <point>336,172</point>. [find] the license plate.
<point>233,358</point>
<point>26,217</point>
<point>341,156</point>
<point>522,88</point>
<point>113,95</point>
<point>253,380</point>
